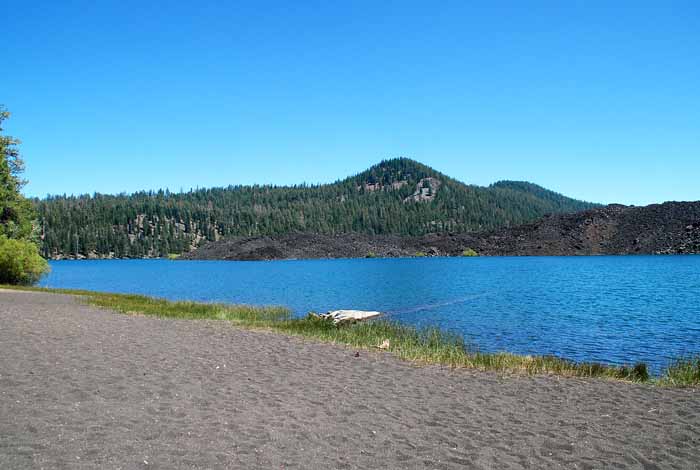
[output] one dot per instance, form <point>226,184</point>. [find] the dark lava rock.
<point>669,228</point>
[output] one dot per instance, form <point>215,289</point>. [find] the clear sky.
<point>599,100</point>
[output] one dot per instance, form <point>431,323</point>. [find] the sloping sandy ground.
<point>87,388</point>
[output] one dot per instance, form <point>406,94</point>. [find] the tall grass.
<point>683,372</point>
<point>422,345</point>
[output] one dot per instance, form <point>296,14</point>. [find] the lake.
<point>609,309</point>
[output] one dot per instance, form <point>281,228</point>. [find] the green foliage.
<point>16,212</point>
<point>556,200</point>
<point>683,372</point>
<point>20,262</point>
<point>420,254</point>
<point>469,253</point>
<point>638,373</point>
<point>371,254</point>
<point>376,201</point>
<point>173,256</point>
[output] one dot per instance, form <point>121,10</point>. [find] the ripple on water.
<point>608,309</point>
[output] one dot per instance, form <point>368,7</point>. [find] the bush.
<point>20,262</point>
<point>469,252</point>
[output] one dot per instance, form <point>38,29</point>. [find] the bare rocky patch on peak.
<point>426,190</point>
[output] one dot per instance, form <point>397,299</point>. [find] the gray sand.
<point>82,387</point>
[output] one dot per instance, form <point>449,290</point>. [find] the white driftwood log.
<point>349,316</point>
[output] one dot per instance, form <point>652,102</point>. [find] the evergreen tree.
<point>20,262</point>
<point>16,212</point>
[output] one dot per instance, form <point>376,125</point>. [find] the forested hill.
<point>398,196</point>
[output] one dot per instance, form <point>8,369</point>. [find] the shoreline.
<point>179,258</point>
<point>421,346</point>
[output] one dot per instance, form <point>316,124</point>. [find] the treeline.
<point>377,201</point>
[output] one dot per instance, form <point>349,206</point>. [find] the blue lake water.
<point>608,309</point>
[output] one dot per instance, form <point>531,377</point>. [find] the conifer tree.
<point>20,262</point>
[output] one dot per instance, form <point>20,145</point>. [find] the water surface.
<point>608,309</point>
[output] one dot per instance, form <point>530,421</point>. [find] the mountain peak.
<point>395,170</point>
<point>397,196</point>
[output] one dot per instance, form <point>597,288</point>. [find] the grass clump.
<point>469,253</point>
<point>173,256</point>
<point>684,372</point>
<point>422,345</point>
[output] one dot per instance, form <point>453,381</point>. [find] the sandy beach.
<point>82,387</point>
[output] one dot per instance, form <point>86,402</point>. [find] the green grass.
<point>143,305</point>
<point>469,253</point>
<point>426,346</point>
<point>682,372</point>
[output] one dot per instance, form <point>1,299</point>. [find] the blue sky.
<point>598,100</point>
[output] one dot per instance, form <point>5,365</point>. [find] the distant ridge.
<point>395,197</point>
<point>669,228</point>
<point>657,229</point>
